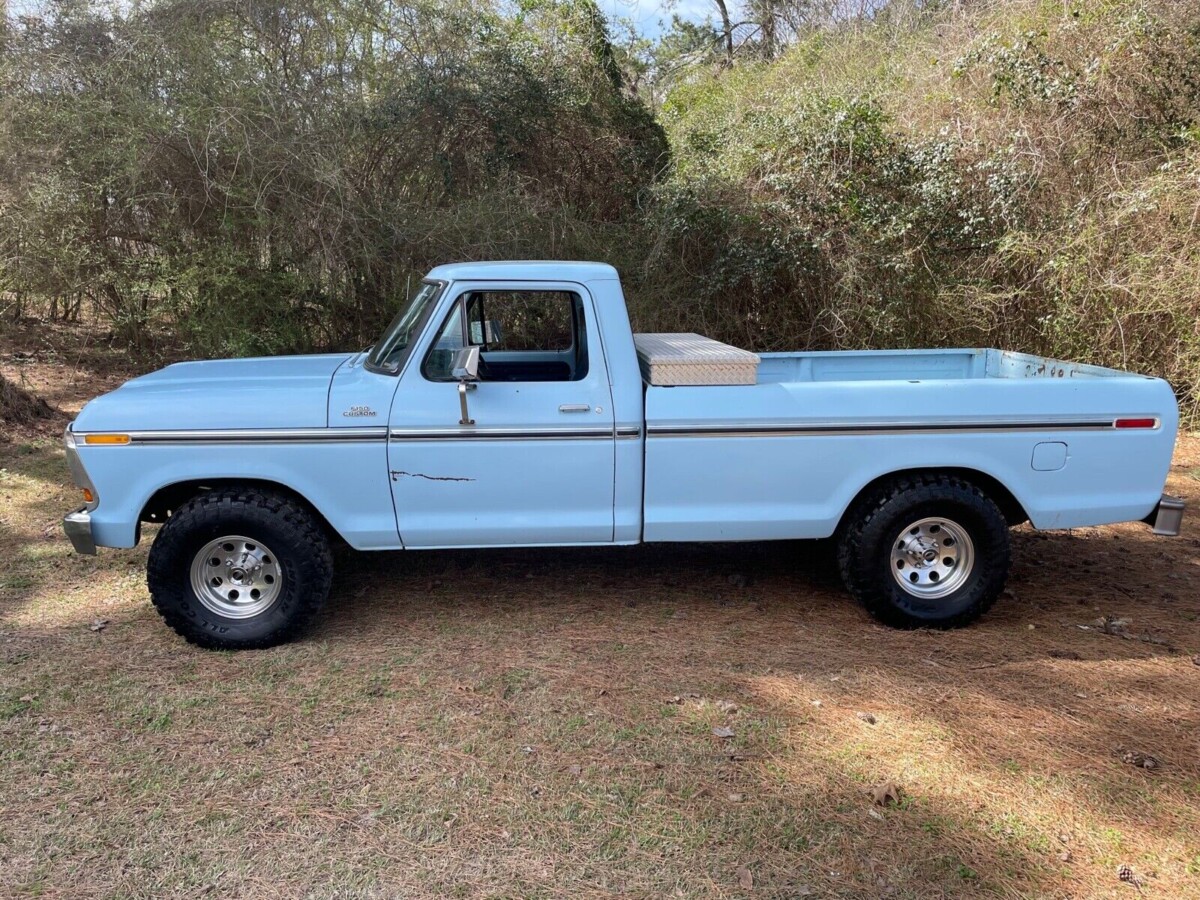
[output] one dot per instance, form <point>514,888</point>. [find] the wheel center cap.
<point>932,558</point>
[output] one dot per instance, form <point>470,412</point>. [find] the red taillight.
<point>1135,423</point>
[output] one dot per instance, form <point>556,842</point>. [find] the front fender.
<point>345,480</point>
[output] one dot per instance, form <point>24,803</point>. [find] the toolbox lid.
<point>692,359</point>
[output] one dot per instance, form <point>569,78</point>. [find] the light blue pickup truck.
<point>510,404</point>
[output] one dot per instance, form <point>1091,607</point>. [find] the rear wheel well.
<point>169,498</point>
<point>1009,505</point>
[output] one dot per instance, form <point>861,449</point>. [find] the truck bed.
<point>783,458</point>
<point>674,360</point>
<point>905,365</point>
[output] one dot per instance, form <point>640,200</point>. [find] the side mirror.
<point>466,364</point>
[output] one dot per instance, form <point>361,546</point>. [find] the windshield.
<point>392,349</point>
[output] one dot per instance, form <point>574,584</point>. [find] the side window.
<point>522,336</point>
<point>440,359</point>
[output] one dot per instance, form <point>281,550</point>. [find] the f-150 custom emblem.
<point>358,412</point>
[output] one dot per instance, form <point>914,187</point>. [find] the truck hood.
<point>268,392</point>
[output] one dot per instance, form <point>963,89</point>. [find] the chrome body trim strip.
<point>252,436</point>
<point>791,429</point>
<point>622,432</point>
<point>365,435</point>
<point>502,434</point>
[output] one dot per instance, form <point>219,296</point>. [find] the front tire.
<point>239,569</point>
<point>925,552</point>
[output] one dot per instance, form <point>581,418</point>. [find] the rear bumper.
<point>78,526</point>
<point>1167,517</point>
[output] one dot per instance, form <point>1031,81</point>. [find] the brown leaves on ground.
<point>886,793</point>
<point>1129,876</point>
<point>1116,627</point>
<point>1141,760</point>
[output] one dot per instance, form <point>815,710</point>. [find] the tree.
<point>726,30</point>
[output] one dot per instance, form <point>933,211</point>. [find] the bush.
<point>263,178</point>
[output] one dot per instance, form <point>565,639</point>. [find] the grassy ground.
<point>541,723</point>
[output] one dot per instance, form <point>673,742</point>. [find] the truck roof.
<point>525,270</point>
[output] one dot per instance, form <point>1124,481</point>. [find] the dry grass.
<point>540,724</point>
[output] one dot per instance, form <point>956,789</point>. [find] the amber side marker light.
<point>106,439</point>
<point>1134,423</point>
<point>88,496</point>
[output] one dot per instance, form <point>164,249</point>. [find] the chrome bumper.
<point>1167,517</point>
<point>78,526</point>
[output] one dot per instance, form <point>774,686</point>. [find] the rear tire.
<point>926,551</point>
<point>239,569</point>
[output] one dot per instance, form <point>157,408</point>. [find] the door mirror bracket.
<point>466,370</point>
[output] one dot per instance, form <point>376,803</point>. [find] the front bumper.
<point>1167,517</point>
<point>78,526</point>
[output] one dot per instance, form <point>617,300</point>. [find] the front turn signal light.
<point>88,496</point>
<point>106,439</point>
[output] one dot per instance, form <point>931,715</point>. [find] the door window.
<point>522,336</point>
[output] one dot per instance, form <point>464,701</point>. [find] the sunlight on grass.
<point>1050,801</point>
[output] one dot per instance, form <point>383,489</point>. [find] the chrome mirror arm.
<point>463,387</point>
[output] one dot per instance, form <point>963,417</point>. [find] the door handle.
<point>575,407</point>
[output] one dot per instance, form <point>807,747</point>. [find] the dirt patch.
<point>65,364</point>
<point>19,408</point>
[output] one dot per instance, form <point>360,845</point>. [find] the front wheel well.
<point>170,497</point>
<point>1014,513</point>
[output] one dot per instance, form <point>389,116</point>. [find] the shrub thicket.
<point>259,177</point>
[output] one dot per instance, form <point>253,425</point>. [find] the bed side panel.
<point>785,460</point>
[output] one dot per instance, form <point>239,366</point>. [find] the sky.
<point>651,17</point>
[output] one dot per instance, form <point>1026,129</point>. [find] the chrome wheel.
<point>932,558</point>
<point>236,577</point>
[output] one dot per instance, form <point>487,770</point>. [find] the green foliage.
<point>263,178</point>
<point>819,199</point>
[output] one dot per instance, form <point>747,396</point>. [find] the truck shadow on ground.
<point>1075,577</point>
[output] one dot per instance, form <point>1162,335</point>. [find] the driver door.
<point>536,466</point>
